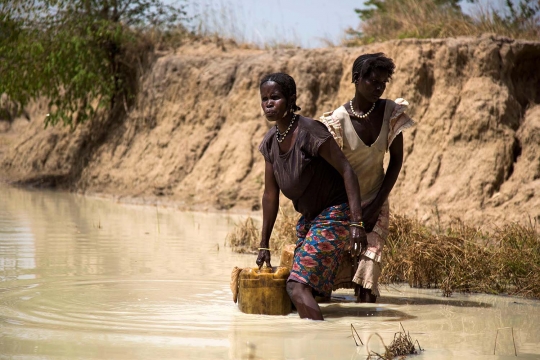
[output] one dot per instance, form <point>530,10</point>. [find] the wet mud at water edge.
<point>86,278</point>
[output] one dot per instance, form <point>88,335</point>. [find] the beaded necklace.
<point>281,136</point>
<point>361,116</point>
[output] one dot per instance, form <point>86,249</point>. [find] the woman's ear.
<point>355,77</point>
<point>293,99</point>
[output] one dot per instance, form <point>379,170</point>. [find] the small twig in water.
<point>157,217</point>
<point>371,353</point>
<point>513,340</point>
<point>356,342</point>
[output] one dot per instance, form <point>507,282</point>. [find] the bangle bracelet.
<point>264,249</point>
<point>357,224</point>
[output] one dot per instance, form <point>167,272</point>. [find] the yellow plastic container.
<point>263,291</point>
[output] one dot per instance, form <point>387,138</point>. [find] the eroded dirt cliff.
<point>192,137</point>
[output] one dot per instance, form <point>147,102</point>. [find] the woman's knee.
<point>295,289</point>
<point>291,286</point>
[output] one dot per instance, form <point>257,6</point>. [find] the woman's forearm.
<point>390,179</point>
<point>270,205</point>
<point>392,173</point>
<point>353,193</point>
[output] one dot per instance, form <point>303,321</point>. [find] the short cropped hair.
<point>365,64</point>
<point>286,83</point>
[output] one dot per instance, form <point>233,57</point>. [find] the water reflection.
<point>88,278</point>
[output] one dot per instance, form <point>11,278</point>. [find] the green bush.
<point>82,55</point>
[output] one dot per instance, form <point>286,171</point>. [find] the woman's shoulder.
<point>269,135</point>
<point>311,135</point>
<point>334,122</point>
<point>312,128</point>
<point>335,118</point>
<point>399,119</point>
<point>400,104</point>
<point>265,147</point>
<point>308,124</point>
<point>336,114</point>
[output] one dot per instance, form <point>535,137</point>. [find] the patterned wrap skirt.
<point>320,247</point>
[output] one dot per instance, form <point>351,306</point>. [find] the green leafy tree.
<point>82,55</point>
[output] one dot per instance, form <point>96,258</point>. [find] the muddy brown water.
<point>88,278</point>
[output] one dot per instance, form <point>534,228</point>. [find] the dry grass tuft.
<point>463,258</point>
<point>246,236</point>
<point>284,232</point>
<point>401,346</point>
<point>428,19</point>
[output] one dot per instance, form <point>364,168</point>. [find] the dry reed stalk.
<point>463,258</point>
<point>426,19</point>
<point>157,219</point>
<point>357,336</point>
<point>401,346</point>
<point>371,354</point>
<point>513,339</point>
<point>246,236</point>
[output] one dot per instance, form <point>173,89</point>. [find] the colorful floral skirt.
<point>320,248</point>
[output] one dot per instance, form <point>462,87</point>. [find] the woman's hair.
<point>365,64</point>
<point>286,83</point>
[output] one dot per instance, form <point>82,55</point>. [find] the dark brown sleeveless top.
<point>302,175</point>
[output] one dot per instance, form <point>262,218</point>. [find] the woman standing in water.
<point>365,128</point>
<point>305,163</point>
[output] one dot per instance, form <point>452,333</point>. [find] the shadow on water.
<point>428,301</point>
<point>395,300</point>
<point>335,309</point>
<point>339,311</point>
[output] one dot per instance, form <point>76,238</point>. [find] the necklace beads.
<point>365,115</point>
<point>281,136</point>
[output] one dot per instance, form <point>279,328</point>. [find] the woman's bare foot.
<point>364,295</point>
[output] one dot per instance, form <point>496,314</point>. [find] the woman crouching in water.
<point>303,160</point>
<point>365,128</point>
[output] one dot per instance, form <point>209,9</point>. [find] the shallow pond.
<point>88,278</point>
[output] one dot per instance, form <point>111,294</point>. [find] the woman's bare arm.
<point>371,212</point>
<point>270,205</point>
<point>331,152</point>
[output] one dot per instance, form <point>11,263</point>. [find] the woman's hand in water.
<point>358,240</point>
<point>264,257</point>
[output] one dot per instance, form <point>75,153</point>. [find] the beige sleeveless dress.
<point>367,162</point>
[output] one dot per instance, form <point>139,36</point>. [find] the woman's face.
<point>273,102</point>
<point>372,86</point>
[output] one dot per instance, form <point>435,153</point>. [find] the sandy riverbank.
<point>191,140</point>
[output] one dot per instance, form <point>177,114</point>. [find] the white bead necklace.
<point>365,114</point>
<point>281,136</point>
